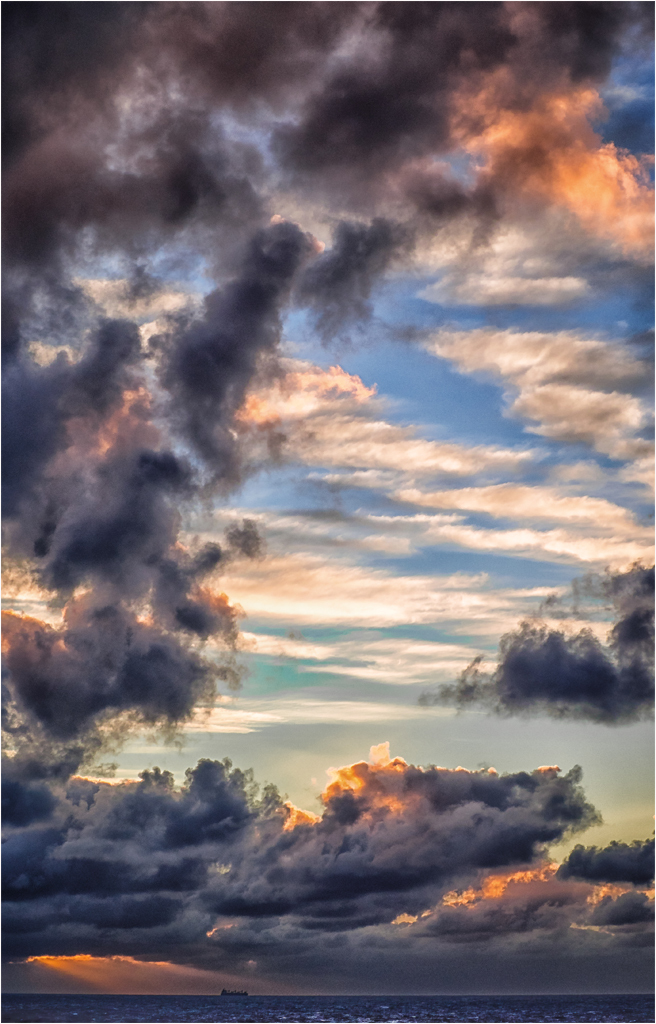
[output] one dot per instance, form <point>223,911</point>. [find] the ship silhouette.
<point>233,992</point>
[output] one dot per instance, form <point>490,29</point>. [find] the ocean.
<point>50,1009</point>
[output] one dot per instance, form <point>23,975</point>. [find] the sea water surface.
<point>226,1009</point>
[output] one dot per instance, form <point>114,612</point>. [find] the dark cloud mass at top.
<point>114,151</point>
<point>148,144</point>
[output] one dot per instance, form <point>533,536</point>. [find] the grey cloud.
<point>631,908</point>
<point>212,363</point>
<point>540,908</point>
<point>219,846</point>
<point>537,906</point>
<point>618,862</point>
<point>106,514</point>
<point>543,671</point>
<point>104,660</point>
<point>38,401</point>
<point>246,539</point>
<point>337,286</point>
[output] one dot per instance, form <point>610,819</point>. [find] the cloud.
<point>585,528</point>
<point>137,299</point>
<point>365,656</point>
<point>528,502</point>
<point>472,93</point>
<point>507,291</point>
<point>331,418</point>
<point>125,974</point>
<point>249,715</point>
<point>337,285</point>
<point>544,671</point>
<point>576,389</point>
<point>143,862</point>
<point>213,362</point>
<point>304,586</point>
<point>533,903</point>
<point>350,441</point>
<point>104,446</point>
<point>618,862</point>
<point>217,872</point>
<point>550,151</point>
<point>93,495</point>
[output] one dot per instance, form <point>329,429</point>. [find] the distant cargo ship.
<point>232,992</point>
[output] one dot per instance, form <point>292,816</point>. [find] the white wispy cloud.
<point>378,658</point>
<point>300,588</point>
<point>331,419</point>
<point>249,715</point>
<point>524,501</point>
<point>487,290</point>
<point>572,388</point>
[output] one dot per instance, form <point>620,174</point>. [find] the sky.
<point>328,508</point>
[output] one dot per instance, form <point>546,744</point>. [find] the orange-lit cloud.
<point>363,774</point>
<point>126,427</point>
<point>551,152</point>
<point>296,816</point>
<point>611,890</point>
<point>300,393</point>
<point>494,886</point>
<point>14,624</point>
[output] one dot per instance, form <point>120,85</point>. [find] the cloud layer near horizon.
<point>147,870</point>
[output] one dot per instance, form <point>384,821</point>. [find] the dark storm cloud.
<point>362,115</point>
<point>220,846</point>
<point>544,671</point>
<point>336,286</point>
<point>211,365</point>
<point>47,49</point>
<point>104,660</point>
<point>618,862</point>
<point>366,130</point>
<point>631,908</point>
<point>24,804</point>
<point>38,400</point>
<point>522,908</point>
<point>106,514</point>
<point>392,106</point>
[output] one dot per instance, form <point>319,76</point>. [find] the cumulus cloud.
<point>542,670</point>
<point>618,862</point>
<point>221,870</point>
<point>129,863</point>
